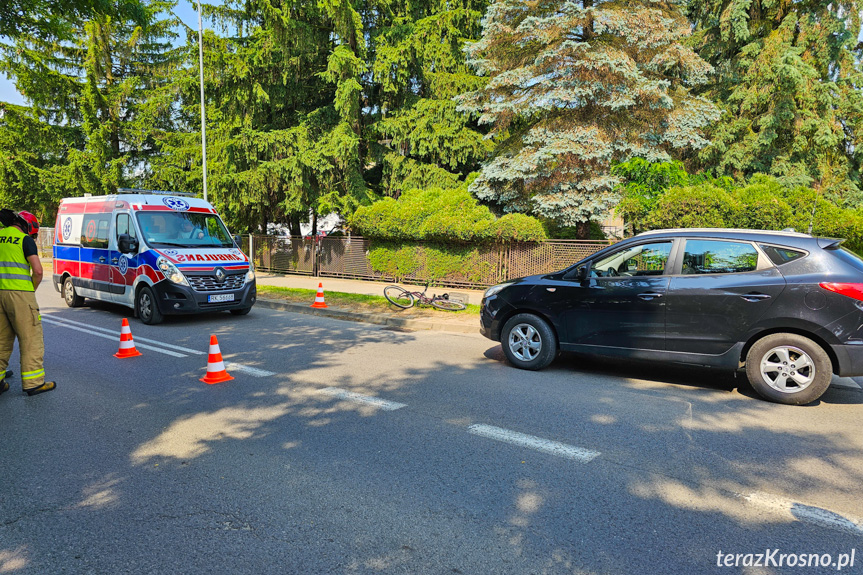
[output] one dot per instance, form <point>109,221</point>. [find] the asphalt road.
<point>342,447</point>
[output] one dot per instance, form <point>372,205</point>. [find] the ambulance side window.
<point>94,230</point>
<point>125,226</point>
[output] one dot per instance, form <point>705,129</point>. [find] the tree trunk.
<point>582,230</point>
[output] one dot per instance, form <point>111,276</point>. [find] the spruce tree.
<point>89,93</point>
<point>789,78</point>
<point>574,87</point>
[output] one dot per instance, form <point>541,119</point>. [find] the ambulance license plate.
<point>220,297</point>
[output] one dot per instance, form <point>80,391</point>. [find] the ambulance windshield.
<point>183,229</point>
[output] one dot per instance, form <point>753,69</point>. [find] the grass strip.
<point>354,301</point>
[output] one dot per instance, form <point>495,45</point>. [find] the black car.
<point>786,306</point>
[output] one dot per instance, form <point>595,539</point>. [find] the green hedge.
<point>432,261</point>
<point>442,215</point>
<point>760,204</point>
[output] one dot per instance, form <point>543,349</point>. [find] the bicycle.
<point>400,297</point>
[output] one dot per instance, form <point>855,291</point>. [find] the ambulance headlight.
<point>250,277</point>
<point>171,272</point>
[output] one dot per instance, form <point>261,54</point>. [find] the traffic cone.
<point>319,299</point>
<point>215,366</point>
<point>127,344</point>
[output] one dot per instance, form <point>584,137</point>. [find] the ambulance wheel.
<point>146,307</point>
<point>241,311</point>
<point>72,299</point>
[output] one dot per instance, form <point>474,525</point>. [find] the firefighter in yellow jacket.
<point>20,275</point>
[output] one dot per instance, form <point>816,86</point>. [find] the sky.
<point>186,10</point>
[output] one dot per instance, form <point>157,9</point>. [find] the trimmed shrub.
<point>699,206</point>
<point>444,215</point>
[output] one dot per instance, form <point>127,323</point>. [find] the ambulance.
<point>158,253</point>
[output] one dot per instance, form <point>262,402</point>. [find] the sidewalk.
<point>455,323</point>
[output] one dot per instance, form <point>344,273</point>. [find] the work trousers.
<point>19,316</point>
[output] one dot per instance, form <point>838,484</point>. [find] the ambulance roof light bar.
<point>156,192</point>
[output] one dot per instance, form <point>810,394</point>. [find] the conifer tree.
<point>418,68</point>
<point>789,77</point>
<point>88,93</point>
<point>574,86</point>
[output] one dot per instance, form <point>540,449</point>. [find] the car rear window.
<point>718,257</point>
<point>780,255</point>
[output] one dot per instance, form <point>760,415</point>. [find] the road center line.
<point>114,337</point>
<point>537,443</point>
<point>807,513</point>
<point>366,399</point>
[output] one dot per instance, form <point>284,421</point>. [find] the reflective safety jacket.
<point>14,267</point>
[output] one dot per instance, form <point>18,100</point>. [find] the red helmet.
<point>29,223</point>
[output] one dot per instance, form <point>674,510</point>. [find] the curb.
<point>374,318</point>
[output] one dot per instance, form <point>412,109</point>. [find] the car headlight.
<point>250,276</point>
<point>171,272</point>
<point>494,289</point>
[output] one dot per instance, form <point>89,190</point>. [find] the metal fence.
<point>45,242</point>
<point>348,257</point>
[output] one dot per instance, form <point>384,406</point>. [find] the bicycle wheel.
<point>447,304</point>
<point>399,297</point>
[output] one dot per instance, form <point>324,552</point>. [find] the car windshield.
<point>183,230</point>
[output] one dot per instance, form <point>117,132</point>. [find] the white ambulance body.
<point>158,253</point>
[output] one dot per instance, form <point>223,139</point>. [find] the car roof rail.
<point>155,192</point>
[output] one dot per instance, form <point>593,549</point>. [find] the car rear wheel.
<point>146,307</point>
<point>788,368</point>
<point>70,296</point>
<point>528,342</point>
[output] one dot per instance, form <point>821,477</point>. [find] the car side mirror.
<point>581,273</point>
<point>236,240</point>
<point>126,244</point>
<point>578,274</point>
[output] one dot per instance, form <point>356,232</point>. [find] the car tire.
<point>773,367</point>
<point>70,296</point>
<point>528,342</point>
<point>241,311</point>
<point>146,307</point>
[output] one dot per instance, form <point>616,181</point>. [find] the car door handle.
<point>102,259</point>
<point>115,261</point>
<point>753,297</point>
<point>649,295</point>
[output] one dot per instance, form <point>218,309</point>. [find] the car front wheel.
<point>788,368</point>
<point>528,342</point>
<point>147,308</point>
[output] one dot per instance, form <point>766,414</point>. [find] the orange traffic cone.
<point>215,366</point>
<point>319,299</point>
<point>127,344</point>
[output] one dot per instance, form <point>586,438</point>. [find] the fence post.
<point>251,248</point>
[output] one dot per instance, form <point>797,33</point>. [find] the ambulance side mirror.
<point>126,244</point>
<point>237,240</point>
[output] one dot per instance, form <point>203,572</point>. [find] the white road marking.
<point>114,337</point>
<point>366,399</point>
<point>537,443</point>
<point>135,337</point>
<point>807,513</point>
<point>254,371</point>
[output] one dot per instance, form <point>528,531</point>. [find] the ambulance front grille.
<point>209,283</point>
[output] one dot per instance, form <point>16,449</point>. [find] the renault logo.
<point>220,275</point>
